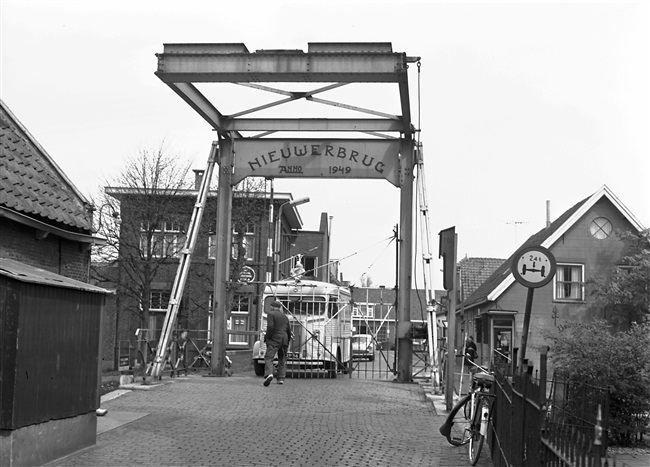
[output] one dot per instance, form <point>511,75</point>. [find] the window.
<point>310,263</point>
<point>239,319</point>
<point>247,242</point>
<point>600,228</point>
<point>212,246</point>
<point>159,301</point>
<point>210,316</point>
<point>166,240</point>
<point>568,283</point>
<point>363,310</point>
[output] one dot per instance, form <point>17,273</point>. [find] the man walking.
<point>278,333</point>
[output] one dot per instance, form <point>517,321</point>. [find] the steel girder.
<point>180,65</point>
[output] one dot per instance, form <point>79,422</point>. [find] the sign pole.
<point>532,267</point>
<point>524,332</point>
<point>448,252</point>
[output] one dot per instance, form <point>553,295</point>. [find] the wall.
<point>55,254</point>
<point>578,246</point>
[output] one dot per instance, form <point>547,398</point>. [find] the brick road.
<point>306,422</point>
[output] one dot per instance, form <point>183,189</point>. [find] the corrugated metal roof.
<point>25,273</point>
<point>30,181</point>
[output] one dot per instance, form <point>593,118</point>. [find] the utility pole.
<point>448,251</point>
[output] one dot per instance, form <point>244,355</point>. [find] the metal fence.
<point>567,428</point>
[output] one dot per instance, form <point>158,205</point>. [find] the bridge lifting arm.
<point>425,236</point>
<point>183,266</point>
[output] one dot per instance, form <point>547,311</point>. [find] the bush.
<point>591,353</point>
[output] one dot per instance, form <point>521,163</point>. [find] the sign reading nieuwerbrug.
<point>316,158</point>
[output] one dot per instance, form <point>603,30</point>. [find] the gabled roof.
<point>502,278</point>
<point>32,186</point>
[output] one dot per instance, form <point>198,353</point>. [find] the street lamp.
<point>114,214</point>
<point>276,237</point>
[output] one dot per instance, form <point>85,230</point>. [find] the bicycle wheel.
<point>455,428</point>
<point>140,369</point>
<point>476,437</point>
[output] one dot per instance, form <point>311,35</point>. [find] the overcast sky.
<point>519,103</point>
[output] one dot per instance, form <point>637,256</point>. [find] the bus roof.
<point>304,287</point>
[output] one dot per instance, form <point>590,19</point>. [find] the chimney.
<point>198,178</point>
<point>548,213</point>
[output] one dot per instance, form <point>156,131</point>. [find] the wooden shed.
<point>50,345</point>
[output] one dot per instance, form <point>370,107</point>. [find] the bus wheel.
<point>259,368</point>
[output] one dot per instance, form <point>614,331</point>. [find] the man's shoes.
<point>280,381</point>
<point>268,380</point>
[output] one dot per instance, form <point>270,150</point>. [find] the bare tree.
<point>150,229</point>
<point>366,280</point>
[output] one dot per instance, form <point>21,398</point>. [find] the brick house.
<point>585,246</point>
<point>472,273</point>
<point>195,313</point>
<point>51,318</point>
<point>374,311</point>
<point>45,221</point>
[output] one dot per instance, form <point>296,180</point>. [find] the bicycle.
<point>467,423</point>
<point>144,360</point>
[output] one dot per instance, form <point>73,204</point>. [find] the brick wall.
<point>55,254</point>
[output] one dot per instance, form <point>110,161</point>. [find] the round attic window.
<point>600,228</point>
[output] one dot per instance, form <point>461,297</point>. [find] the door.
<point>501,341</point>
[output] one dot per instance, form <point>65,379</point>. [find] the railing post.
<point>598,439</point>
<point>543,356</point>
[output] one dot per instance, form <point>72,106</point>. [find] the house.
<point>584,243</point>
<point>374,312</point>
<point>51,318</point>
<point>159,242</point>
<point>45,221</point>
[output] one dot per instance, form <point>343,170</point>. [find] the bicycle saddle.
<point>484,379</point>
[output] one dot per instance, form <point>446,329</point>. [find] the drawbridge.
<point>309,127</point>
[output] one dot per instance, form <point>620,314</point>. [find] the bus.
<point>320,315</point>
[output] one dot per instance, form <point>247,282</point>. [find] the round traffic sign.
<point>533,266</point>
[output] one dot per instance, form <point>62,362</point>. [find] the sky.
<point>517,103</point>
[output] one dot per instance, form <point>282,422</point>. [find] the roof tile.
<point>31,183</point>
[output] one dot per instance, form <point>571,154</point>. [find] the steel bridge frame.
<point>181,66</point>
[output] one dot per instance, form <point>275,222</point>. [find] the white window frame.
<point>164,296</point>
<point>559,280</point>
<point>171,239</point>
<point>239,317</point>
<point>369,310</point>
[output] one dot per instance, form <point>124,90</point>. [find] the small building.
<point>51,318</point>
<point>584,242</point>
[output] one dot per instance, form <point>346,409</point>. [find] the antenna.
<point>516,223</point>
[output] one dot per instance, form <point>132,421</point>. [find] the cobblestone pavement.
<point>236,421</point>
